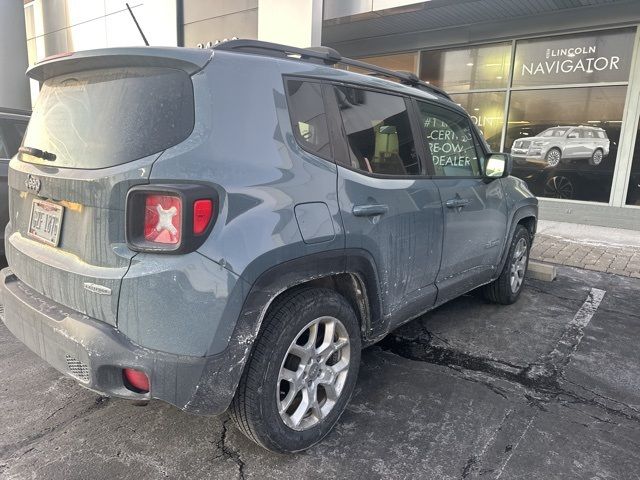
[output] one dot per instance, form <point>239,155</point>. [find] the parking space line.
<point>552,364</point>
<point>513,449</point>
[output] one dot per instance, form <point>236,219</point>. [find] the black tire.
<point>501,291</point>
<point>553,157</point>
<point>254,408</point>
<point>559,186</point>
<point>596,157</point>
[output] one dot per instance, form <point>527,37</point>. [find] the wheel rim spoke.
<point>302,409</point>
<point>288,400</point>
<point>304,353</point>
<point>518,265</point>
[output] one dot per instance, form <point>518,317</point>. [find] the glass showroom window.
<point>482,67</point>
<point>565,141</point>
<point>487,112</point>
<point>633,194</point>
<point>464,71</point>
<point>406,62</point>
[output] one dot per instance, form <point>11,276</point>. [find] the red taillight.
<point>202,213</point>
<point>136,379</point>
<point>172,219</point>
<point>163,219</point>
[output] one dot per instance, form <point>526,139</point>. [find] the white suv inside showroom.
<point>558,144</point>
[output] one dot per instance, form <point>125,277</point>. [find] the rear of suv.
<point>225,229</point>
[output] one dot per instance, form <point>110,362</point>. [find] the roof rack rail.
<point>325,56</point>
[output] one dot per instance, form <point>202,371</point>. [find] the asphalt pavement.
<point>543,389</point>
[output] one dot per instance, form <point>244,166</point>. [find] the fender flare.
<point>521,212</point>
<point>221,375</point>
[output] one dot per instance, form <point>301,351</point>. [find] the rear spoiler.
<point>191,60</point>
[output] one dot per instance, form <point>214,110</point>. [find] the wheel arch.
<point>350,272</point>
<point>526,215</point>
<point>554,147</point>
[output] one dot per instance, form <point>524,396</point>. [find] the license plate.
<point>45,222</point>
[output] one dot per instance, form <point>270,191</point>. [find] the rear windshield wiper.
<point>36,152</point>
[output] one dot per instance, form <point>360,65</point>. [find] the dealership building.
<point>554,82</point>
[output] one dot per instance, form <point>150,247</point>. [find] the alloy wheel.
<point>518,265</point>
<point>597,157</point>
<point>553,157</point>
<point>313,373</point>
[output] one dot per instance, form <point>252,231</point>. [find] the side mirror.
<point>498,165</point>
<point>572,135</point>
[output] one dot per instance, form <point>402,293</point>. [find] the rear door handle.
<point>369,210</point>
<point>457,202</point>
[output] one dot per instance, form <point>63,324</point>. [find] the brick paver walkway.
<point>621,260</point>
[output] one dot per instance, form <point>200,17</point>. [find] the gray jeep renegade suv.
<point>226,229</point>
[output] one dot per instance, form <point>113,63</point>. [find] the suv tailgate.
<point>103,118</point>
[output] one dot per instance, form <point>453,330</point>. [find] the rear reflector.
<point>163,219</point>
<point>202,213</point>
<point>136,379</point>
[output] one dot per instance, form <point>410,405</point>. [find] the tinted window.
<point>11,133</point>
<point>100,118</point>
<point>451,142</point>
<point>308,118</point>
<point>554,132</point>
<point>378,132</point>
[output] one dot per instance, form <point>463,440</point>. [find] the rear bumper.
<point>94,353</point>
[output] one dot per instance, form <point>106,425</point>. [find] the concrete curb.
<point>542,271</point>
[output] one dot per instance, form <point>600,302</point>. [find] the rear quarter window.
<point>107,117</point>
<point>308,117</point>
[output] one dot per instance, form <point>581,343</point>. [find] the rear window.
<point>107,117</point>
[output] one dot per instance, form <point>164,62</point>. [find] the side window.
<point>11,133</point>
<point>308,118</point>
<point>378,132</point>
<point>4,141</point>
<point>453,148</point>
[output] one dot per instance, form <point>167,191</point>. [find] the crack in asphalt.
<point>542,376</point>
<point>542,379</point>
<point>552,294</point>
<point>613,400</point>
<point>229,453</point>
<point>11,449</point>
